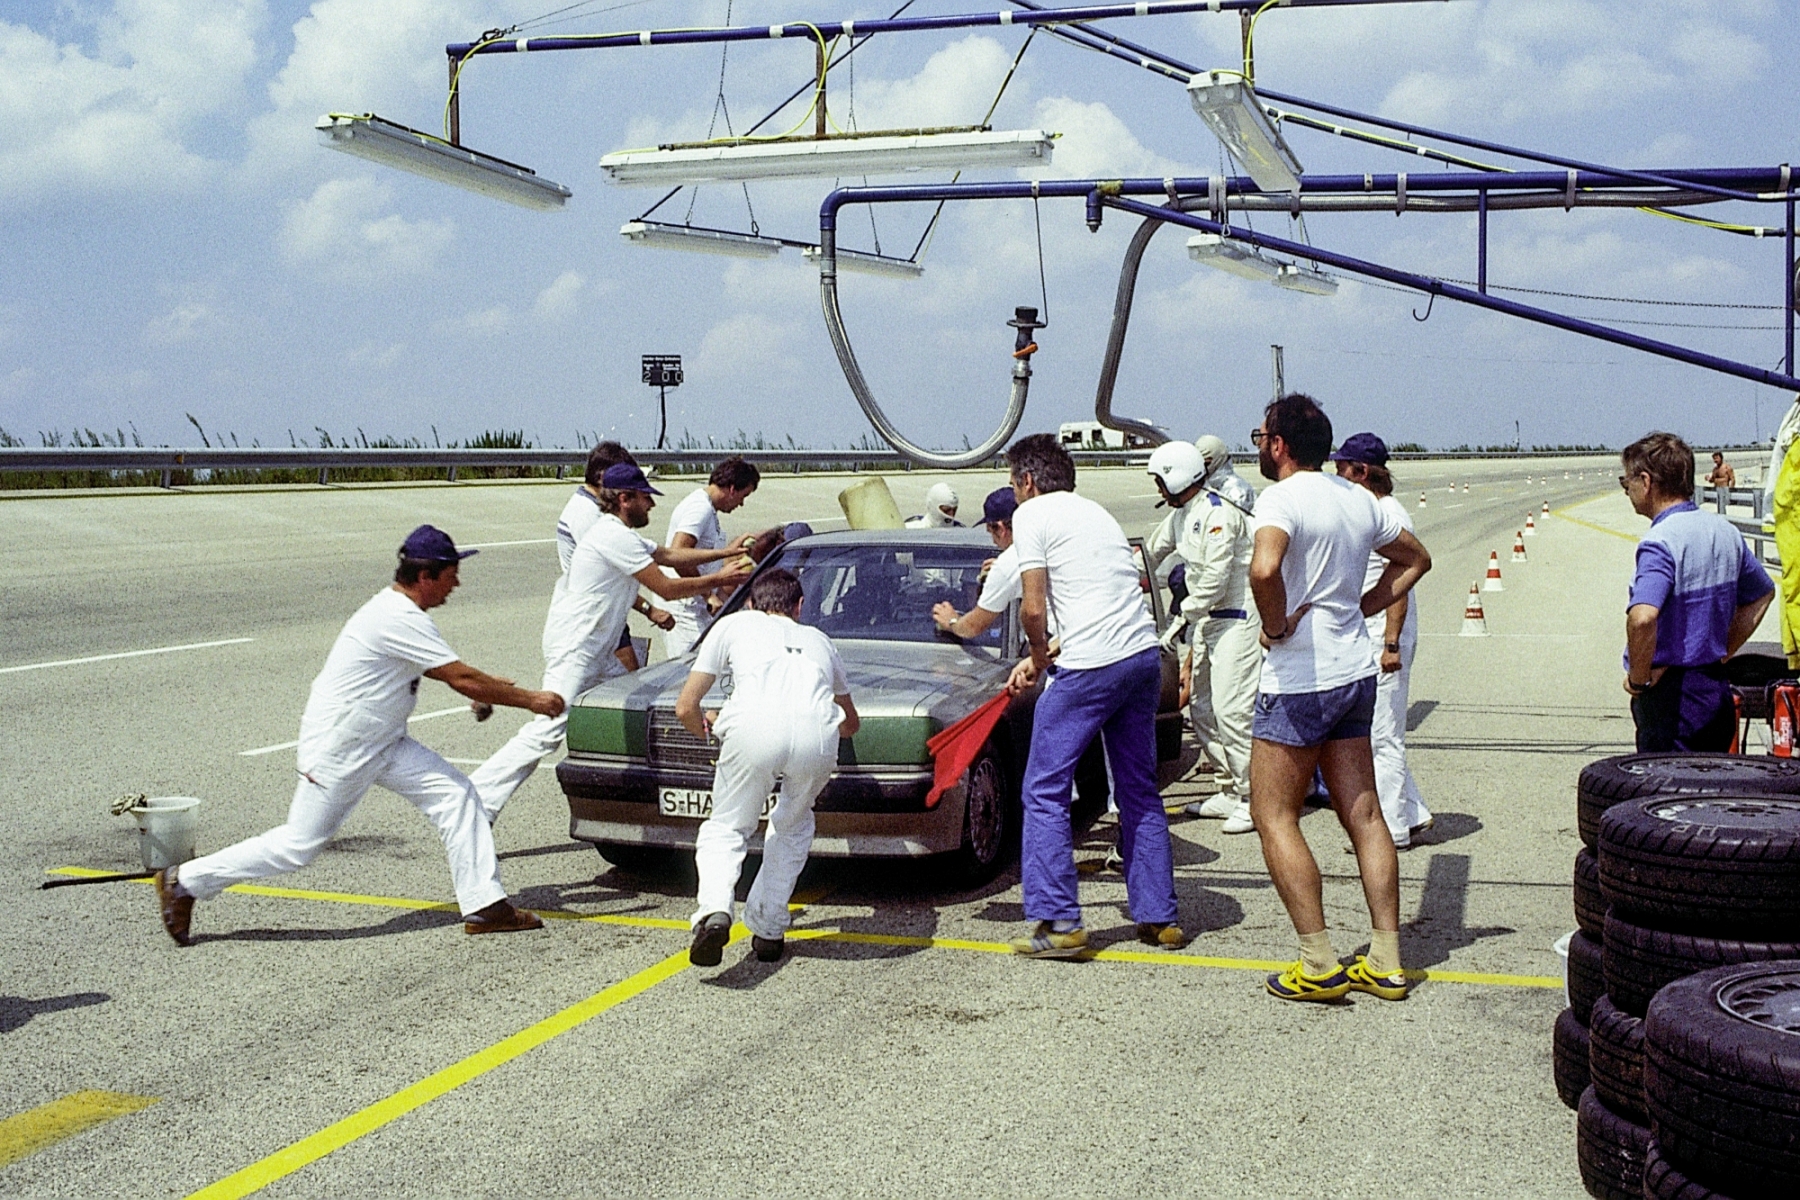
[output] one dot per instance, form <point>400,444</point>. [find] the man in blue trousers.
<point>1075,565</point>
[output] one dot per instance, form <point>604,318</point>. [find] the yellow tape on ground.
<point>48,1124</point>
<point>1564,514</point>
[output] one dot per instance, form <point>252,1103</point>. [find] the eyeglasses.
<point>1256,436</point>
<point>1625,480</point>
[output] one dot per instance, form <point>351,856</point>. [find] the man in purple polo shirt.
<point>1698,595</point>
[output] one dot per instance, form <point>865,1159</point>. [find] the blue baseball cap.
<point>999,506</point>
<point>626,477</point>
<point>428,543</point>
<point>1362,448</point>
<point>795,529</point>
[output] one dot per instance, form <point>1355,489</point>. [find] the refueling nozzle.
<point>1025,320</point>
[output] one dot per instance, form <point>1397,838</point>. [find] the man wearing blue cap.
<point>1001,587</point>
<point>588,609</point>
<point>353,736</point>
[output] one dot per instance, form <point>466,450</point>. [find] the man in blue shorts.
<point>1313,534</point>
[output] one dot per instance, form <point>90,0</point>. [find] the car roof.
<point>977,536</point>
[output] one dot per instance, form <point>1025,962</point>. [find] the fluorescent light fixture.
<point>868,264</point>
<point>856,154</point>
<point>1229,254</point>
<point>1231,110</point>
<point>368,136</point>
<point>705,241</point>
<point>1306,279</point>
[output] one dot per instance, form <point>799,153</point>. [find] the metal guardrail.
<point>1756,527</point>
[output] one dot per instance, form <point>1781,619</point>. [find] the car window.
<point>886,593</point>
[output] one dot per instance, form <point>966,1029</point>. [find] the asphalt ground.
<point>336,1033</point>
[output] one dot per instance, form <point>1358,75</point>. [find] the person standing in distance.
<point>1001,587</point>
<point>694,525</point>
<point>940,509</point>
<point>1698,595</point>
<point>1210,532</point>
<point>1074,561</point>
<point>353,736</point>
<point>587,611</point>
<point>578,516</point>
<point>790,703</point>
<point>1723,474</point>
<point>1313,537</point>
<point>1362,459</point>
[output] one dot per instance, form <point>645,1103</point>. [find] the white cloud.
<point>18,382</point>
<point>482,321</point>
<point>340,231</point>
<point>748,344</point>
<point>185,321</point>
<point>954,87</point>
<point>1095,143</point>
<point>558,302</point>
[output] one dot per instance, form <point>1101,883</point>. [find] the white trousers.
<point>507,769</point>
<point>1401,802</point>
<point>1222,690</point>
<point>321,804</point>
<point>679,640</point>
<point>751,756</point>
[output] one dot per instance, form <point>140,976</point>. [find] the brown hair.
<point>604,455</point>
<point>775,591</point>
<point>1668,461</point>
<point>1298,420</point>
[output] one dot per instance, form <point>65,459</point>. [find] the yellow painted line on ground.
<point>1563,512</point>
<point>48,1124</point>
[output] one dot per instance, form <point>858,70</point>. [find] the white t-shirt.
<point>1332,526</point>
<point>370,681</point>
<point>1378,564</point>
<point>578,516</point>
<point>780,671</point>
<point>1002,585</point>
<point>696,517</point>
<point>590,604</point>
<point>1096,593</point>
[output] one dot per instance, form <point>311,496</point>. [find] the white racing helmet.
<point>1178,465</point>
<point>1213,449</point>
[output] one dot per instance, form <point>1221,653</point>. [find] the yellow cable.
<point>1250,42</point>
<point>456,80</point>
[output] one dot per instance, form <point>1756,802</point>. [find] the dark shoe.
<point>177,909</point>
<point>710,936</point>
<point>501,917</point>
<point>767,949</point>
<point>1163,937</point>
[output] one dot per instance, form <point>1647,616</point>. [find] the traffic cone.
<point>1530,527</point>
<point>1546,508</point>
<point>1465,489</point>
<point>1474,620</point>
<point>1421,499</point>
<point>1519,546</point>
<point>1492,582</point>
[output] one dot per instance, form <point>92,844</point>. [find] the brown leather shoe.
<point>177,909</point>
<point>501,917</point>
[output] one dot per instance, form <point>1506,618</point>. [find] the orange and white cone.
<point>1530,527</point>
<point>1492,582</point>
<point>1519,546</point>
<point>1474,620</point>
<point>1421,499</point>
<point>1465,489</point>
<point>1546,508</point>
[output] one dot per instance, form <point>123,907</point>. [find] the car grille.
<point>671,745</point>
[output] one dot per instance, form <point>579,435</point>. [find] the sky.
<point>178,243</point>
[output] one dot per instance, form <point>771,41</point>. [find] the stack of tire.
<point>1680,1048</point>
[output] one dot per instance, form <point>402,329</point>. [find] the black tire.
<point>1722,1077</point>
<point>1610,1150</point>
<point>1639,962</point>
<point>1569,1058</point>
<point>1587,977</point>
<point>1590,905</point>
<point>639,860</point>
<point>990,820</point>
<point>1628,776</point>
<point>1663,1180</point>
<point>1705,864</point>
<point>1616,1060</point>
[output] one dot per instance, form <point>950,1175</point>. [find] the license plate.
<point>690,802</point>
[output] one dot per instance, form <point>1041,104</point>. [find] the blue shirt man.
<point>1697,596</point>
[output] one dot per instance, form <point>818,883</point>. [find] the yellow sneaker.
<point>1295,984</point>
<point>1388,987</point>
<point>1045,942</point>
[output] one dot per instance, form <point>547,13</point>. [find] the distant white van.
<point>1091,435</point>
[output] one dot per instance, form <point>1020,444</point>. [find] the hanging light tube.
<point>868,264</point>
<point>1306,279</point>
<point>369,136</point>
<point>1228,105</point>
<point>875,154</point>
<point>1234,256</point>
<point>702,240</point>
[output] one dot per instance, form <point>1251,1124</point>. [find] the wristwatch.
<point>1636,689</point>
<point>1391,647</point>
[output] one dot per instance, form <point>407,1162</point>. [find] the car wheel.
<point>1722,1076</point>
<point>639,860</point>
<point>1590,905</point>
<point>1611,1151</point>
<point>1705,864</point>
<point>988,820</point>
<point>1616,1060</point>
<point>1640,962</point>
<point>1628,776</point>
<point>1569,1058</point>
<point>1587,982</point>
<point>1663,1180</point>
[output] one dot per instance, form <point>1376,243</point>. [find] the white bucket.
<point>1562,952</point>
<point>166,830</point>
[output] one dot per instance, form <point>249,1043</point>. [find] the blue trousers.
<point>1118,701</point>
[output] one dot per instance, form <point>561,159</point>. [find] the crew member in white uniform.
<point>789,703</point>
<point>1221,476</point>
<point>940,509</point>
<point>695,525</point>
<point>1362,459</point>
<point>578,516</point>
<point>353,736</point>
<point>1210,532</point>
<point>1001,587</point>
<point>587,611</point>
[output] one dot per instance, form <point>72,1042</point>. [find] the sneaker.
<point>1165,937</point>
<point>1422,826</point>
<point>710,936</point>
<point>1239,821</point>
<point>1217,807</point>
<point>1045,942</point>
<point>767,949</point>
<point>1388,987</point>
<point>1295,984</point>
<point>501,917</point>
<point>1115,862</point>
<point>177,907</point>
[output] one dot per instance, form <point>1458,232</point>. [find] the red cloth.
<point>954,748</point>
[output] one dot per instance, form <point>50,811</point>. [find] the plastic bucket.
<point>166,830</point>
<point>1562,953</point>
<point>869,505</point>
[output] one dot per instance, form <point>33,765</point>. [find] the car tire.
<point>990,819</point>
<point>1569,1058</point>
<point>1590,905</point>
<point>1616,1060</point>
<point>1628,776</point>
<point>639,860</point>
<point>1663,1180</point>
<point>1722,1077</point>
<point>1587,979</point>
<point>1719,865</point>
<point>1639,962</point>
<point>1610,1150</point>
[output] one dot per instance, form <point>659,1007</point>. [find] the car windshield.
<point>886,593</point>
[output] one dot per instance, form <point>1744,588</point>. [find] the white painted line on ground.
<point>94,658</point>
<point>442,712</point>
<point>491,545</point>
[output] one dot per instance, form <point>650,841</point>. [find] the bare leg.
<point>1279,778</point>
<point>1349,770</point>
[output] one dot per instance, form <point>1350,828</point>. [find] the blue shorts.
<point>1314,718</point>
